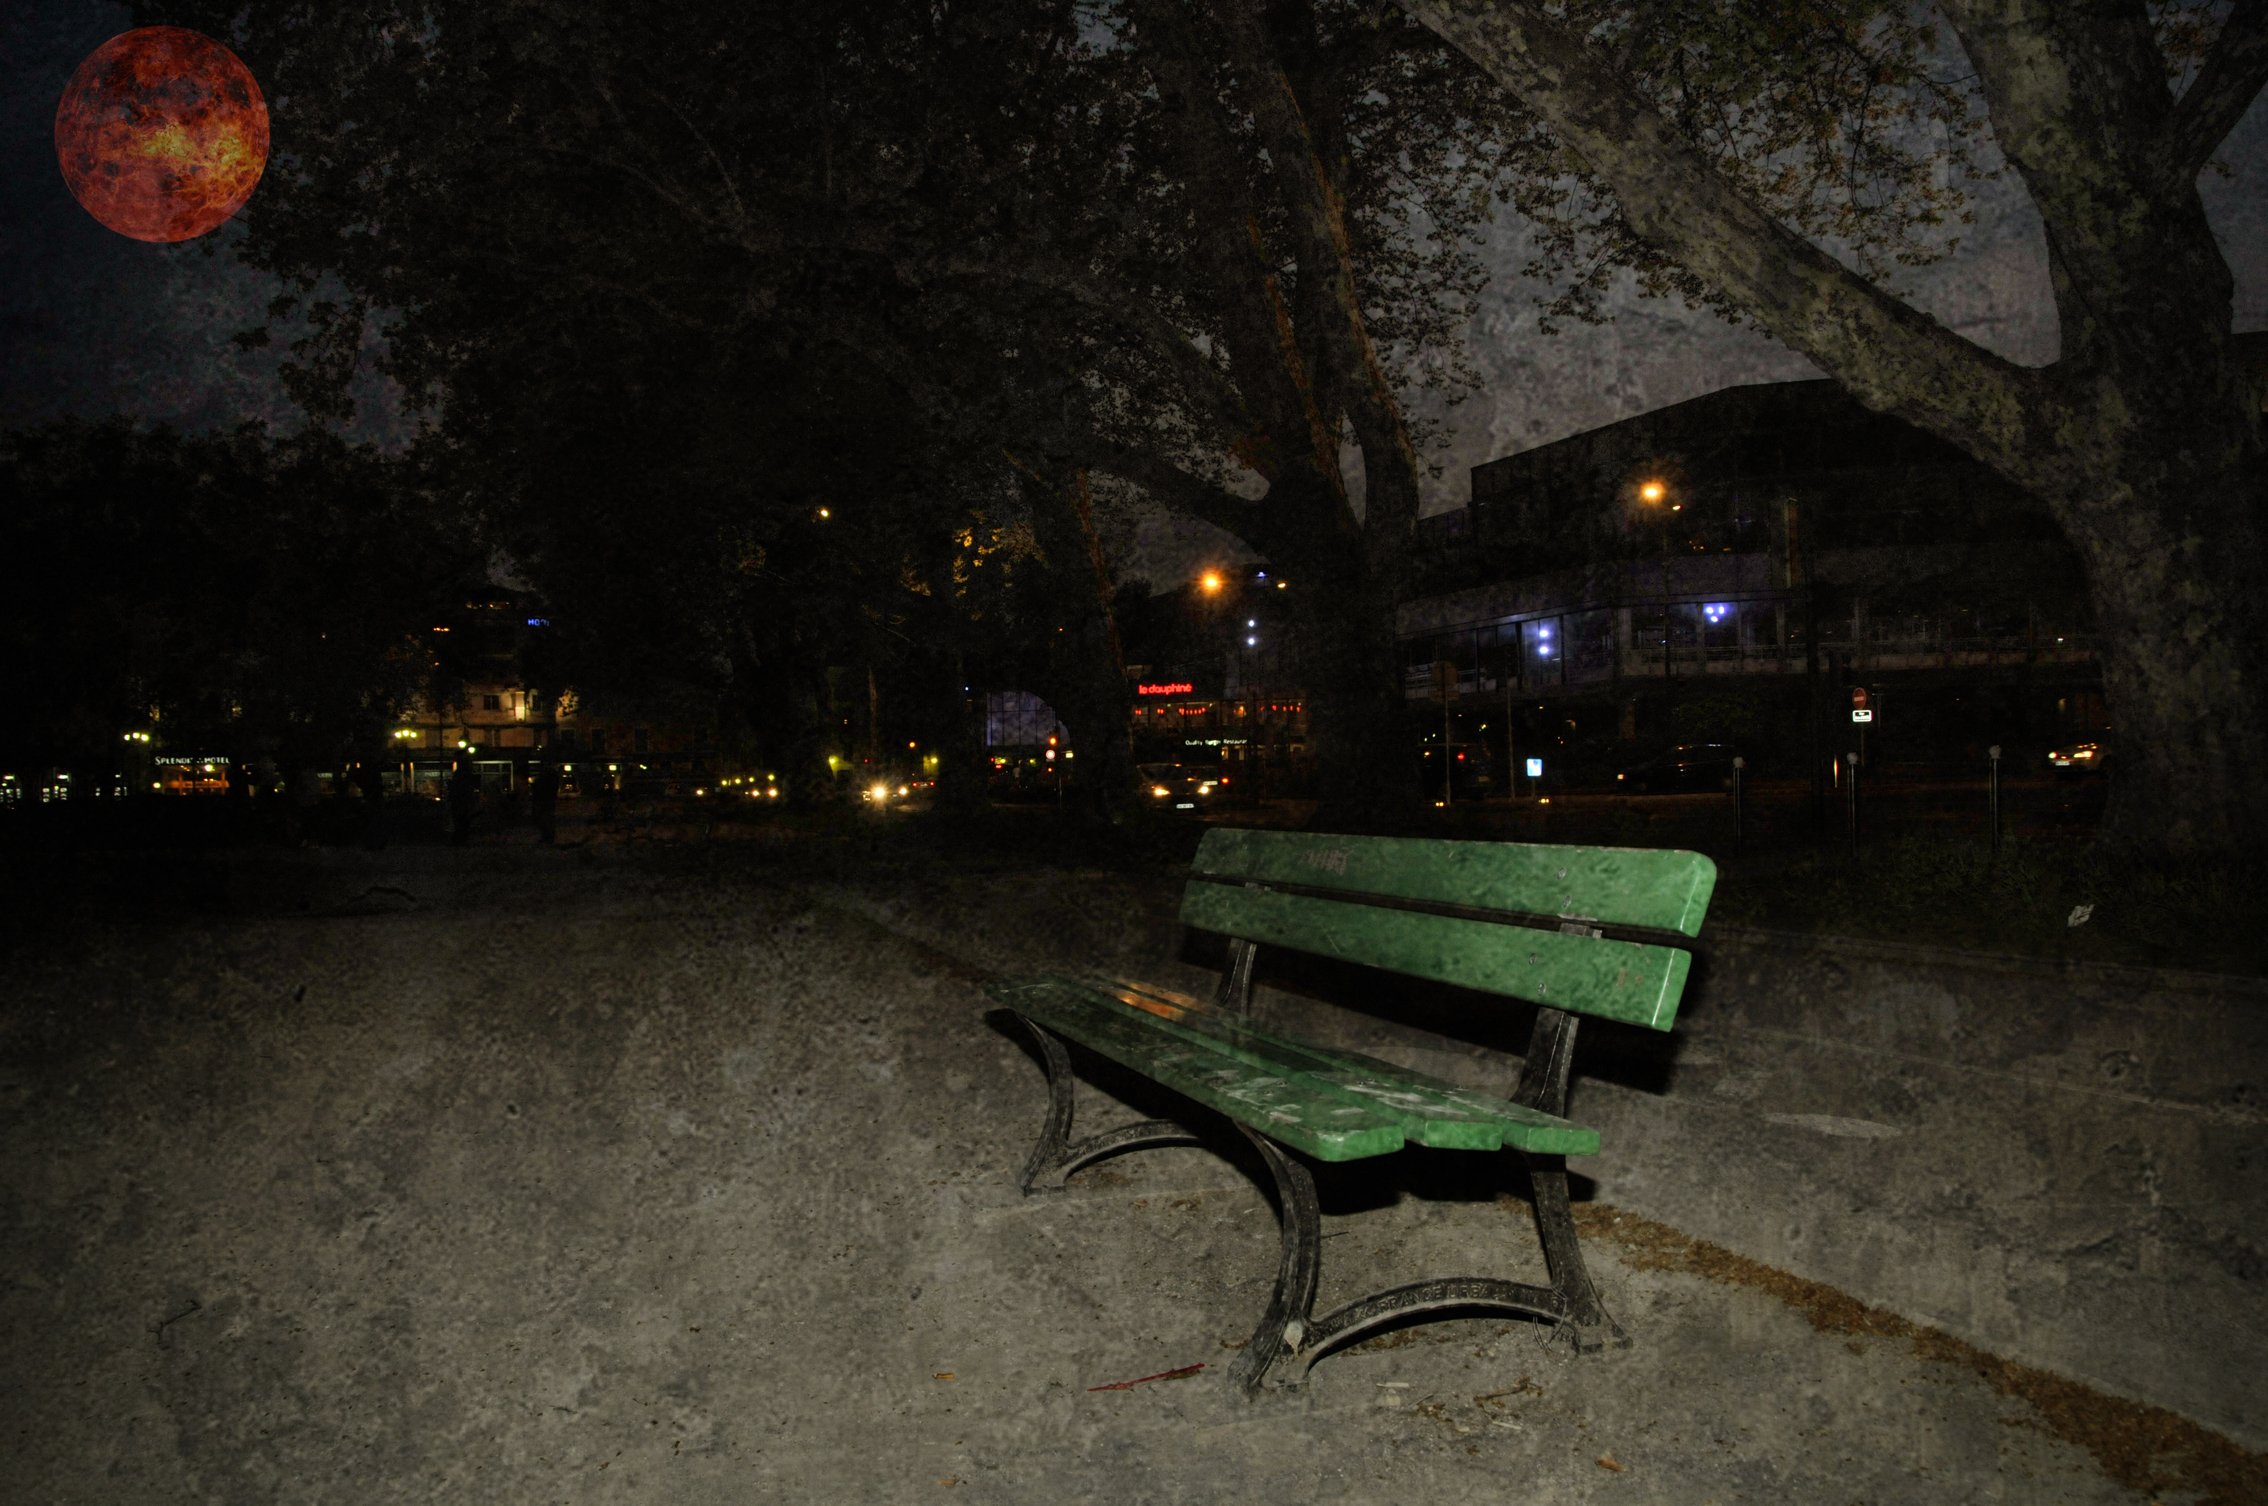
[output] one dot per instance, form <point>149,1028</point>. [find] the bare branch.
<point>1256,326</point>
<point>1319,216</point>
<point>741,217</point>
<point>2232,77</point>
<point>1206,390</point>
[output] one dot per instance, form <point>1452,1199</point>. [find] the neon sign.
<point>1162,687</point>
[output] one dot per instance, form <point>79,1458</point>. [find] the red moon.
<point>162,134</point>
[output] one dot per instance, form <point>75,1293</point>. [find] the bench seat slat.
<point>1431,1110</point>
<point>1619,980</point>
<point>1335,1105</point>
<point>1664,889</point>
<point>1329,1128</point>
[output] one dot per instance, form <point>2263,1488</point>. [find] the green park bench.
<point>1576,930</point>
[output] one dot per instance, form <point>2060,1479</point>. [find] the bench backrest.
<point>1595,930</point>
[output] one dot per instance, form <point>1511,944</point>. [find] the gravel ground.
<point>523,1174</point>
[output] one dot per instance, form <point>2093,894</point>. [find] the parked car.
<point>1179,786</point>
<point>2091,754</point>
<point>1686,768</point>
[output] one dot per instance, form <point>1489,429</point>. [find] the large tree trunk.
<point>2182,637</point>
<point>1086,663</point>
<point>1358,716</point>
<point>1302,361</point>
<point>962,772</point>
<point>1358,722</point>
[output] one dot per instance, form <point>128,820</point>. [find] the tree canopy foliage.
<point>673,282</point>
<point>248,593</point>
<point>1207,249</point>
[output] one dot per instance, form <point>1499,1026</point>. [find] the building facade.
<point>483,709</point>
<point>1728,568</point>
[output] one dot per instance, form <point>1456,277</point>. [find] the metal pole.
<point>1816,684</point>
<point>1511,737</point>
<point>1739,806</point>
<point>1850,788</point>
<point>1992,794</point>
<point>1447,794</point>
<point>1665,601</point>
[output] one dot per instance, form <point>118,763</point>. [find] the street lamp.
<point>1654,492</point>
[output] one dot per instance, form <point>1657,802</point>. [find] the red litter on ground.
<point>1143,1379</point>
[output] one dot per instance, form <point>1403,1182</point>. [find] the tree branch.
<point>1318,212</point>
<point>2079,106</point>
<point>1205,388</point>
<point>1891,356</point>
<point>1256,326</point>
<point>2232,77</point>
<point>1171,486</point>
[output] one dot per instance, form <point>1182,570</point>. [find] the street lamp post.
<point>1992,794</point>
<point>1654,493</point>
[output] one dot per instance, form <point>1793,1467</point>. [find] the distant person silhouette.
<point>464,801</point>
<point>543,802</point>
<point>372,779</point>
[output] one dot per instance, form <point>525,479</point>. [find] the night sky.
<point>95,324</point>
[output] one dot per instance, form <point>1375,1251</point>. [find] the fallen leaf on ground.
<point>1608,1461</point>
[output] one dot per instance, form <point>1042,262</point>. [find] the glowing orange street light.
<point>1210,581</point>
<point>1652,491</point>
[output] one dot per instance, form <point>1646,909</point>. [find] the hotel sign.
<point>1165,687</point>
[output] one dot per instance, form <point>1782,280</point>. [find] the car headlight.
<point>1160,791</point>
<point>878,793</point>
<point>1206,788</point>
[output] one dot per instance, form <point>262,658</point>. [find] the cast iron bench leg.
<point>1055,1157</point>
<point>1290,1335</point>
<point>1289,1331</point>
<point>1585,1319</point>
<point>1284,1324</point>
